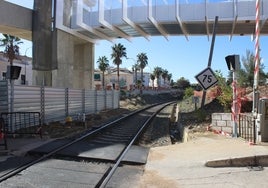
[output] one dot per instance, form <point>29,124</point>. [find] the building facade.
<point>25,64</point>
<point>110,78</point>
<point>146,78</point>
<point>127,80</point>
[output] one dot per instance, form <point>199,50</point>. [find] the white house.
<point>146,78</point>
<point>110,78</point>
<point>25,65</point>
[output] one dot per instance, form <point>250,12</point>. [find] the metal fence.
<point>55,104</point>
<point>246,127</point>
<point>3,140</point>
<point>21,123</point>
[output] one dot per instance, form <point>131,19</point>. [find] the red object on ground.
<point>1,135</point>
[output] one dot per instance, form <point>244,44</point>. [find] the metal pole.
<point>26,63</point>
<point>210,56</point>
<point>25,72</point>
<point>11,101</point>
<point>11,94</point>
<point>234,107</point>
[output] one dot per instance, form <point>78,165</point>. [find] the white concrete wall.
<point>222,122</point>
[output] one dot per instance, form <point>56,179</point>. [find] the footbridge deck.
<point>112,19</point>
<point>15,20</point>
<point>95,20</point>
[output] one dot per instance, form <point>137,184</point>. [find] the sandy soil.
<point>183,165</point>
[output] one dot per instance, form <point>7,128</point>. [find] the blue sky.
<point>180,57</point>
<point>185,58</point>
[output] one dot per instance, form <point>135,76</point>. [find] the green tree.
<point>12,49</point>
<point>152,77</point>
<point>189,91</point>
<point>118,52</point>
<point>164,75</point>
<point>157,72</point>
<point>171,82</point>
<point>226,96</point>
<point>245,75</point>
<point>142,59</point>
<point>183,83</point>
<point>103,65</point>
<point>169,76</point>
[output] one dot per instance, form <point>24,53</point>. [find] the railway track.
<point>89,160</point>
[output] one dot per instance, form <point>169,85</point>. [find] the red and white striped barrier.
<point>257,45</point>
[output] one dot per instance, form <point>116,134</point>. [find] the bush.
<point>226,93</point>
<point>189,91</point>
<point>201,115</point>
<point>123,94</point>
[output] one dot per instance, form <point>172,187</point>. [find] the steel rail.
<point>51,153</point>
<point>103,182</point>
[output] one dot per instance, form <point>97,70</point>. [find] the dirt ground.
<point>196,123</point>
<point>62,129</point>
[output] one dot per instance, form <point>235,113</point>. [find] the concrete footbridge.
<point>64,32</point>
<point>112,19</point>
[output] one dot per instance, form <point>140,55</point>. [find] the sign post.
<point>210,56</point>
<point>206,78</point>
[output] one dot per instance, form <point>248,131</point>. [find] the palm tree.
<point>164,75</point>
<point>12,49</point>
<point>142,59</point>
<point>103,65</point>
<point>169,76</point>
<point>118,51</point>
<point>152,77</point>
<point>157,72</point>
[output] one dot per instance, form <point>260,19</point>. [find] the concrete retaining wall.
<point>222,122</point>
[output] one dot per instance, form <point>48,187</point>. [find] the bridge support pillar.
<point>59,58</point>
<point>75,64</point>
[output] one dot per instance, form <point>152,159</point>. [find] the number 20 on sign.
<point>206,78</point>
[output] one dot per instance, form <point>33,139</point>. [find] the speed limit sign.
<point>206,78</point>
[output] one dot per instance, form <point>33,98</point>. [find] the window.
<point>23,80</point>
<point>97,77</point>
<point>4,75</point>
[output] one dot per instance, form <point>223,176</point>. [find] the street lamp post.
<point>135,68</point>
<point>25,63</point>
